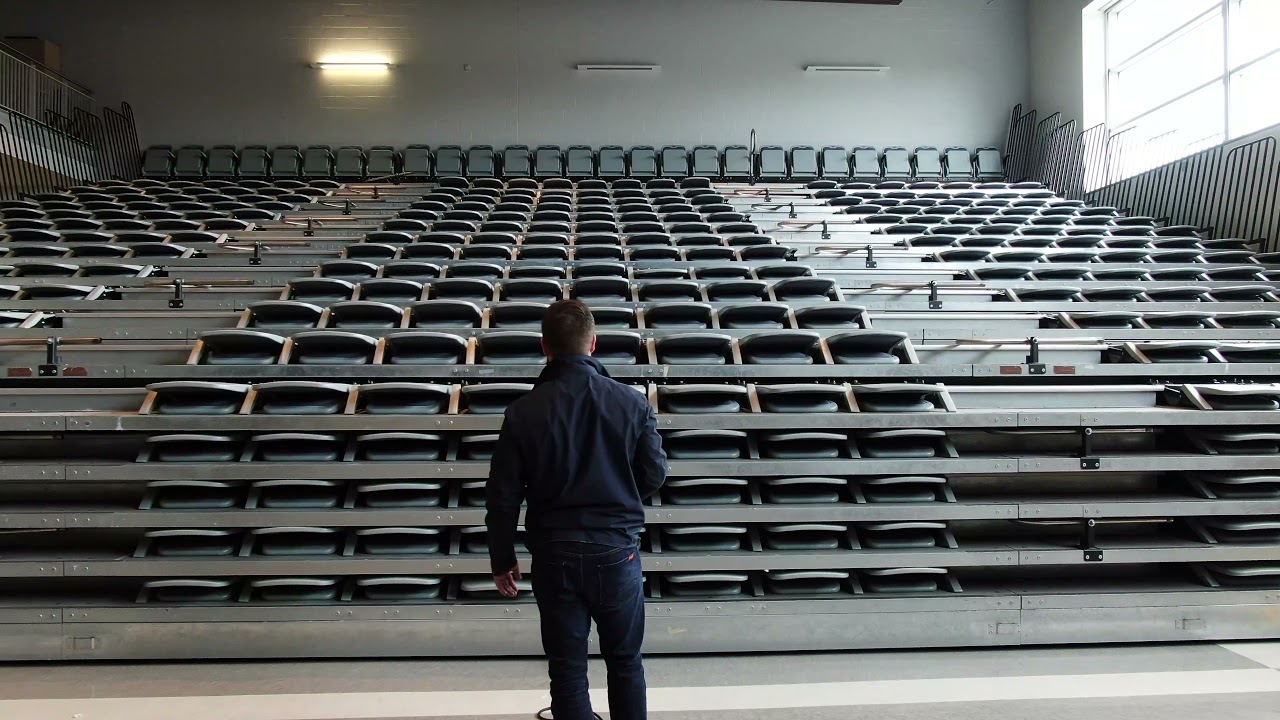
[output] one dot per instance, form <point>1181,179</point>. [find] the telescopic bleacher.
<point>248,407</point>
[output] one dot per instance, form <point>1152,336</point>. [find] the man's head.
<point>568,329</point>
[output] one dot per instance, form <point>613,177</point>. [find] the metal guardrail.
<point>29,88</point>
<point>1231,189</point>
<point>54,134</point>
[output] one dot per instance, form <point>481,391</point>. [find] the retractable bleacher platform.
<point>251,417</point>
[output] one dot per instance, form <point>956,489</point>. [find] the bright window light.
<point>1185,75</point>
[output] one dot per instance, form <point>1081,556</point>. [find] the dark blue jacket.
<point>584,451</point>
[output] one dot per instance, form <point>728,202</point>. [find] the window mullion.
<point>1227,16</point>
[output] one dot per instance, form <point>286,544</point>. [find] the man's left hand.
<point>506,583</point>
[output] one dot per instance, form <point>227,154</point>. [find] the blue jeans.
<point>575,583</point>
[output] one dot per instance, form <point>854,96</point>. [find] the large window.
<point>1183,75</point>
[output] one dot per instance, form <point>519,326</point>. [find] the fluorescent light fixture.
<point>361,66</point>
<point>608,67</point>
<point>847,68</point>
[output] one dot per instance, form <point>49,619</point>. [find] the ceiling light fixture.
<point>847,68</point>
<point>366,66</point>
<point>609,67</point>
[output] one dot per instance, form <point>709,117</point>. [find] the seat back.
<point>253,161</point>
<point>157,161</point>
<point>959,164</point>
<point>317,162</point>
<point>772,162</point>
<point>481,161</point>
<point>642,161</point>
<point>548,161</point>
<point>675,161</point>
<point>222,162</point>
<point>580,162</point>
<point>189,162</point>
<point>897,163</point>
<point>448,161</point>
<point>928,163</point>
<point>706,161</point>
<point>286,161</point>
<point>990,164</point>
<point>349,162</point>
<point>737,161</point>
<point>383,160</point>
<point>866,163</point>
<point>804,163</point>
<point>516,161</point>
<point>835,162</point>
<point>612,162</point>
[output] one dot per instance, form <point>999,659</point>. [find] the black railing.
<point>39,157</point>
<point>34,90</point>
<point>1229,190</point>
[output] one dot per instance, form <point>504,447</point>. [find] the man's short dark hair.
<point>567,328</point>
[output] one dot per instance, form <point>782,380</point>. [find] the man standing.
<point>584,451</point>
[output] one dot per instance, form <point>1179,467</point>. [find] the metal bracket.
<point>934,302</point>
<point>826,234</point>
<point>1034,366</point>
<point>792,215</point>
<point>871,258</point>
<point>52,361</point>
<point>1089,543</point>
<point>179,295</point>
<point>346,210</point>
<point>256,259</point>
<point>311,228</point>
<point>1087,461</point>
<point>767,197</point>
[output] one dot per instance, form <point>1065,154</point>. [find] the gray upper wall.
<point>236,71</point>
<point>1057,57</point>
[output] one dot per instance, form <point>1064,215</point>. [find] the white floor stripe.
<point>387,706</point>
<point>1266,653</point>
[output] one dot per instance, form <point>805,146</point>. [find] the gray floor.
<point>1179,684</point>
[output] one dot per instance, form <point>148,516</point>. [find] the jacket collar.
<point>571,365</point>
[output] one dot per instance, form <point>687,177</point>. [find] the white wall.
<point>1057,36</point>
<point>235,71</point>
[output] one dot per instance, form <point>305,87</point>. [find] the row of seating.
<point>427,589</point>
<point>335,347</point>
<point>770,162</point>
<point>211,231</point>
<point>594,288</point>
<point>455,541</point>
<point>387,310</point>
<point>200,398</point>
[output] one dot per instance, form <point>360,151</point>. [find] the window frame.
<point>1230,12</point>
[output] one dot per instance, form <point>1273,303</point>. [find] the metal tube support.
<point>52,361</point>
<point>934,302</point>
<point>346,210</point>
<point>767,197</point>
<point>871,258</point>
<point>1087,460</point>
<point>257,254</point>
<point>179,295</point>
<point>311,228</point>
<point>1089,543</point>
<point>1034,366</point>
<point>826,234</point>
<point>376,196</point>
<point>792,215</point>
